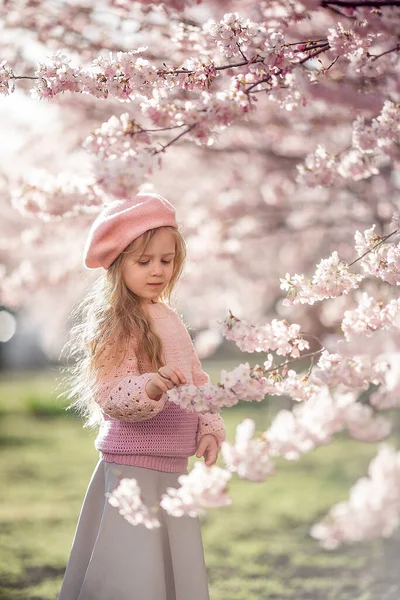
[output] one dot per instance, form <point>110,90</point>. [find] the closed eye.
<point>146,262</point>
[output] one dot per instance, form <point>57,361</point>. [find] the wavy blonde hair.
<point>108,314</point>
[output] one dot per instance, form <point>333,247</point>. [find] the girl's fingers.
<point>174,375</point>
<point>164,384</point>
<point>182,378</point>
<point>210,456</point>
<point>202,448</point>
<point>169,375</point>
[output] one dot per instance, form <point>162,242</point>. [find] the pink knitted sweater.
<point>136,430</point>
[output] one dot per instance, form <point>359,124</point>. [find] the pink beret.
<point>123,221</point>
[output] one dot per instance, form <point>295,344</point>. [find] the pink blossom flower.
<point>373,507</point>
<point>248,458</point>
<point>127,498</point>
<point>56,77</point>
<point>232,31</point>
<point>332,278</point>
<point>280,336</point>
<point>204,487</point>
<point>319,169</point>
<point>351,373</point>
<point>382,261</point>
<point>369,316</point>
<point>7,85</point>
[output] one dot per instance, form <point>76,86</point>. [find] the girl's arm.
<point>120,389</point>
<point>208,422</point>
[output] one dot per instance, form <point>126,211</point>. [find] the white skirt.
<point>113,560</point>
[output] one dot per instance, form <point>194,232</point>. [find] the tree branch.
<point>360,4</point>
<point>374,247</point>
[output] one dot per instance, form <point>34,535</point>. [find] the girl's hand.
<point>208,447</point>
<point>162,381</point>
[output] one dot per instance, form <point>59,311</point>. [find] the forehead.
<point>162,242</point>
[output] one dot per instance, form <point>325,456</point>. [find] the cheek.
<point>134,277</point>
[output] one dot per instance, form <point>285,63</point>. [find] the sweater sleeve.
<point>120,389</point>
<point>208,422</point>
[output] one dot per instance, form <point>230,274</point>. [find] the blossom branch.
<point>376,56</point>
<point>360,4</point>
<point>175,139</point>
<point>324,48</point>
<point>382,241</point>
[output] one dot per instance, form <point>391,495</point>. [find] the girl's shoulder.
<point>159,310</point>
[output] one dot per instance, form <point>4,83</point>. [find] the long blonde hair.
<point>108,314</point>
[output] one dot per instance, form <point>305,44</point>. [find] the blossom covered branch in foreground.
<point>327,403</point>
<point>204,487</point>
<point>373,508</point>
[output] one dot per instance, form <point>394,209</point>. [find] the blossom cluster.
<point>318,169</point>
<point>112,138</point>
<point>369,316</point>
<point>203,487</point>
<point>351,373</point>
<point>381,132</point>
<point>7,85</point>
<point>232,33</point>
<point>62,196</point>
<point>350,43</point>
<point>373,507</point>
<point>313,422</point>
<point>279,336</point>
<point>127,498</point>
<point>372,146</point>
<point>332,278</point>
<point>382,261</point>
<point>247,457</point>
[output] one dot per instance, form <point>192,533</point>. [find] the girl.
<point>132,349</point>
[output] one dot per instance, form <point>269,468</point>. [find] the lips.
<point>155,284</point>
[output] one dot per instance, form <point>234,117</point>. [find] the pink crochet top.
<point>136,430</point>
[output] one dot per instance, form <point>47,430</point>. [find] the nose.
<point>157,269</point>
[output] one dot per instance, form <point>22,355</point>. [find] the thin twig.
<point>23,77</point>
<point>373,247</point>
<point>375,56</point>
<point>293,360</point>
<point>314,54</point>
<point>326,3</point>
<point>175,139</point>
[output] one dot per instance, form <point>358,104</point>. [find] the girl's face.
<point>147,275</point>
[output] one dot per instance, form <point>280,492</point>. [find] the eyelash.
<point>165,262</point>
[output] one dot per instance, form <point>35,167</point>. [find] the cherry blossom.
<point>127,498</point>
<point>332,278</point>
<point>373,508</point>
<point>319,168</point>
<point>316,420</point>
<point>248,458</point>
<point>7,85</point>
<point>369,316</point>
<point>351,373</point>
<point>384,259</point>
<point>64,196</point>
<point>204,487</point>
<point>280,336</point>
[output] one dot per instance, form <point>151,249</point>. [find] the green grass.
<point>257,548</point>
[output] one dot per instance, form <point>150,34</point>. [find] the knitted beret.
<point>123,221</point>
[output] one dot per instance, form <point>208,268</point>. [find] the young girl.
<point>132,349</point>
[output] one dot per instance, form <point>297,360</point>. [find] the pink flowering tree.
<point>274,129</point>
